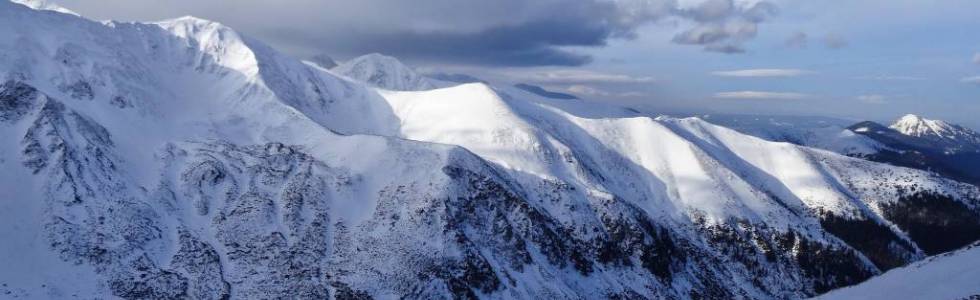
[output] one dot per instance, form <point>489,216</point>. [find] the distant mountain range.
<point>540,91</point>
<point>911,141</point>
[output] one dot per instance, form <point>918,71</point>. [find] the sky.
<point>856,59</point>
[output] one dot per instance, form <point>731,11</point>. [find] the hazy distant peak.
<point>385,72</point>
<point>324,61</point>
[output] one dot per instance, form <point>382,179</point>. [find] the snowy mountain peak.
<point>45,5</point>
<point>223,44</point>
<point>938,131</point>
<point>385,72</point>
<point>379,59</point>
<point>918,126</point>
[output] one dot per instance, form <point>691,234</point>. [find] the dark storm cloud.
<point>533,43</point>
<point>501,32</point>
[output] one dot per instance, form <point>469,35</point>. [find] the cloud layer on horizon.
<point>760,95</point>
<point>762,73</point>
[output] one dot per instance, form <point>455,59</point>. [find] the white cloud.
<point>872,99</point>
<point>632,94</point>
<point>971,80</point>
<point>761,95</point>
<point>587,90</point>
<point>580,76</point>
<point>889,78</point>
<point>976,58</point>
<point>762,73</point>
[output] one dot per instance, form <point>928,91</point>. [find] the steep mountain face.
<point>948,276</point>
<point>384,72</point>
<point>180,160</point>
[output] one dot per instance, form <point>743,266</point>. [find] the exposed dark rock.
<point>201,264</point>
<point>343,292</point>
<point>79,90</point>
<point>16,100</point>
<point>120,102</point>
<point>144,280</point>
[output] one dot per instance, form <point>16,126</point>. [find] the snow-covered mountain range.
<point>815,132</point>
<point>181,159</point>
<point>912,141</point>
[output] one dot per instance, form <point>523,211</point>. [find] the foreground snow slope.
<point>180,159</point>
<point>954,275</point>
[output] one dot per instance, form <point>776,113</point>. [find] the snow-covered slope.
<point>159,161</point>
<point>954,275</point>
<point>684,172</point>
<point>181,159</point>
<point>954,138</point>
<point>913,142</point>
<point>384,72</point>
<point>45,5</point>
